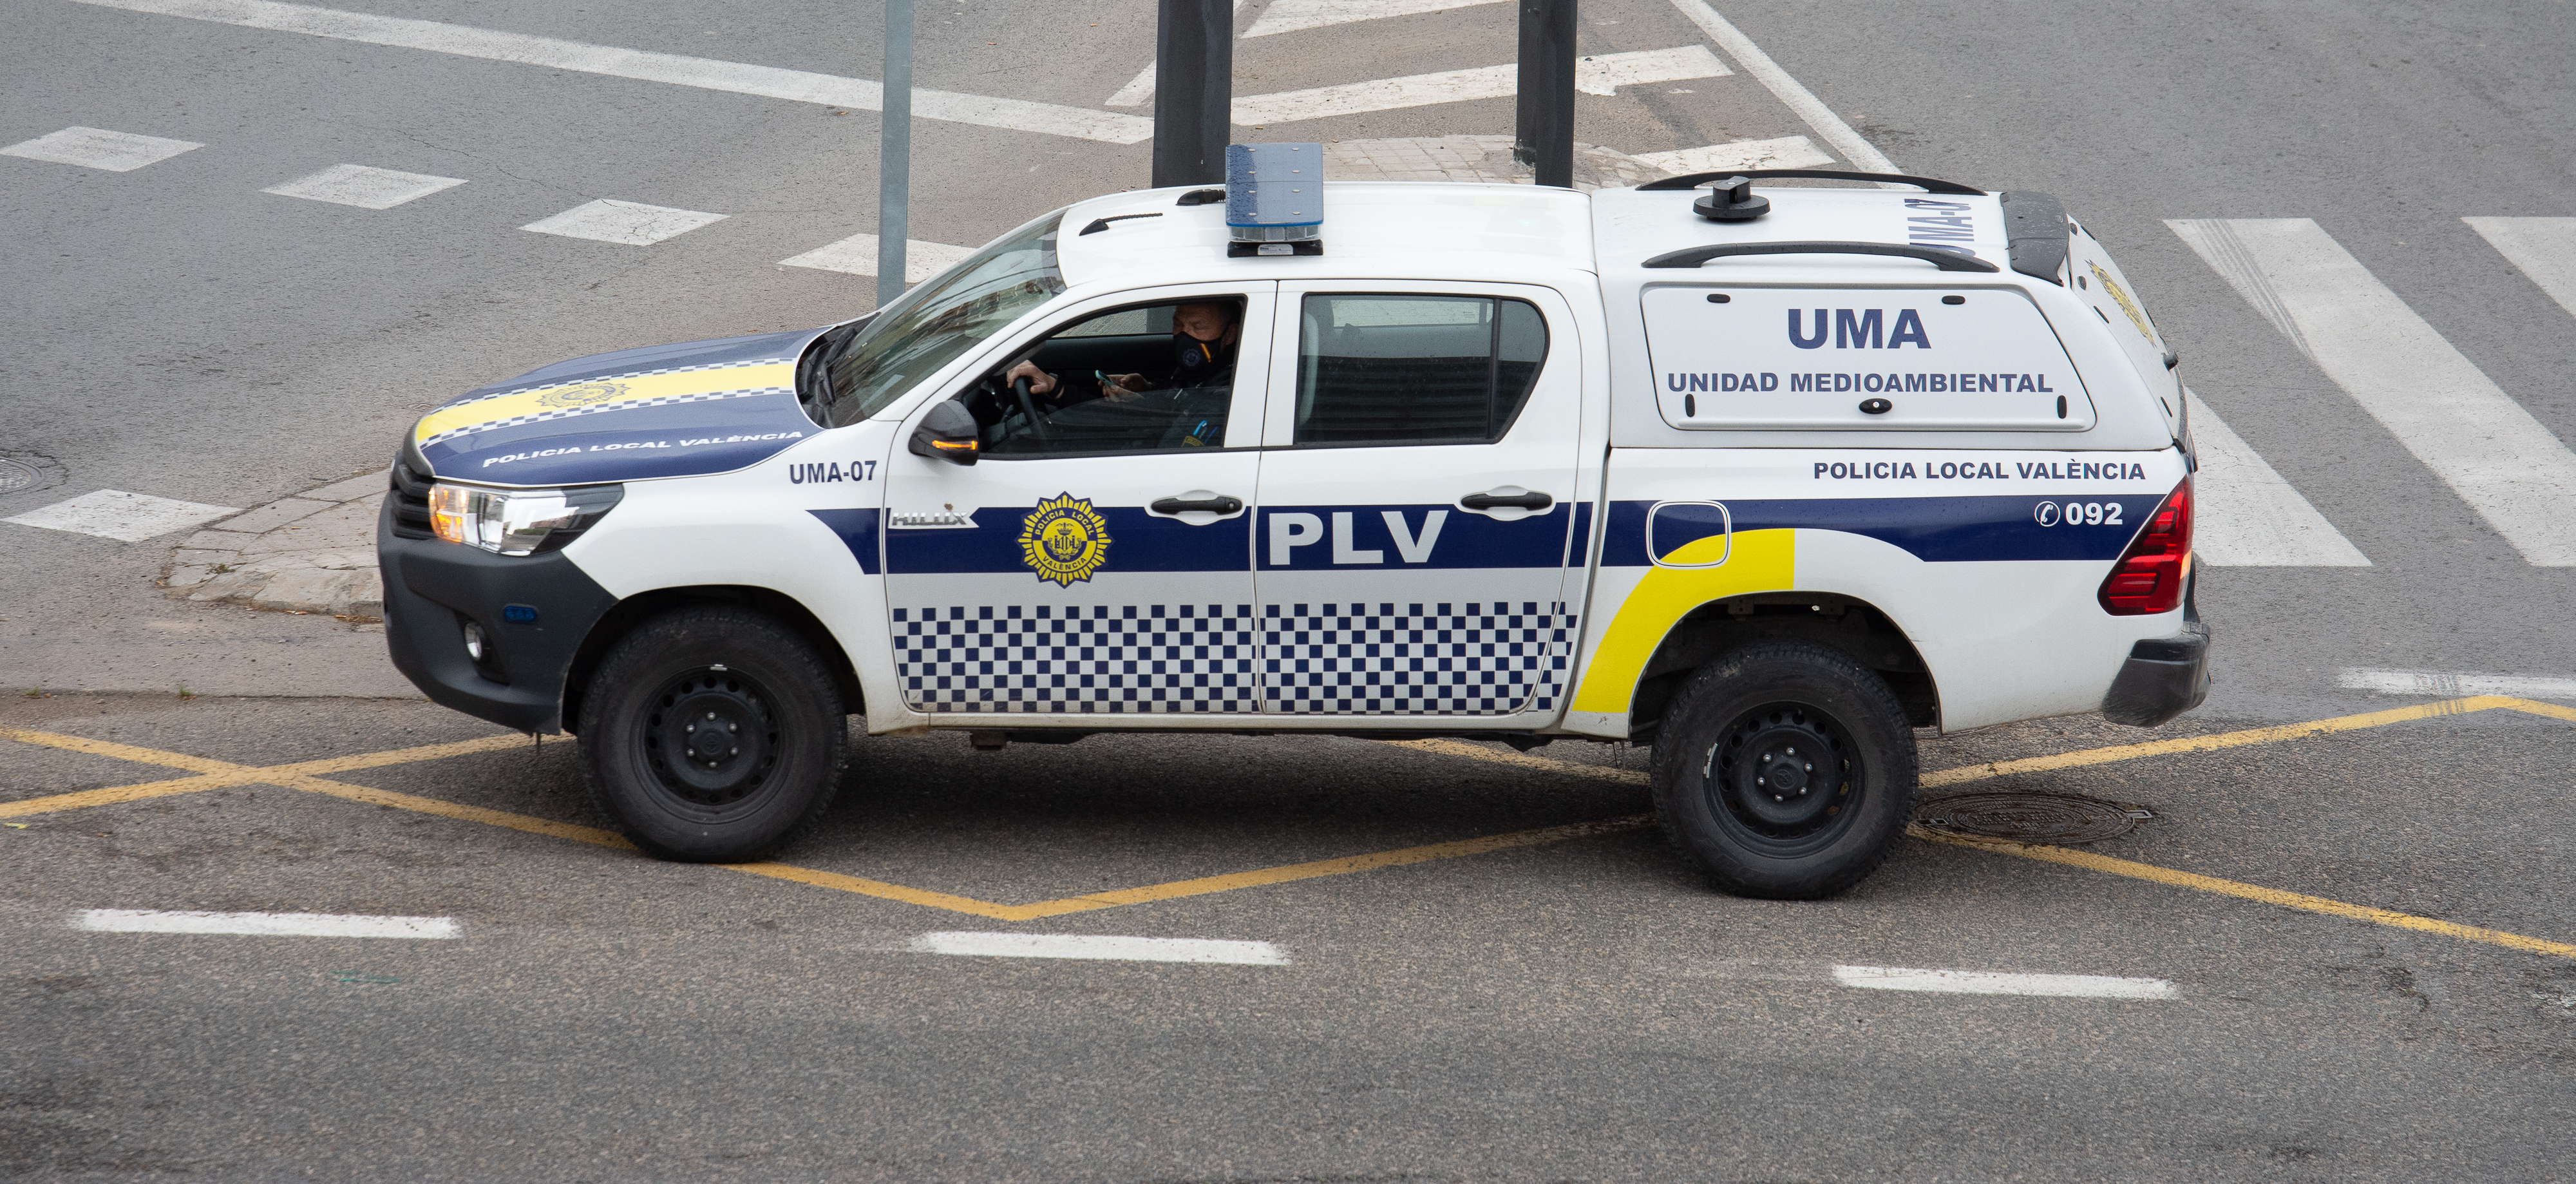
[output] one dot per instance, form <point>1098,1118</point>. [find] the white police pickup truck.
<point>1765,478</point>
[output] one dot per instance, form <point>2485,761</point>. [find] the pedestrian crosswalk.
<point>2499,459</point>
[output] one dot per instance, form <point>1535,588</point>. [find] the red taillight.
<point>2150,576</point>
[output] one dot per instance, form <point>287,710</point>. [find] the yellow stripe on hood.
<point>568,398</point>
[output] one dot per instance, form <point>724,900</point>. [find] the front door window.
<point>1097,561</point>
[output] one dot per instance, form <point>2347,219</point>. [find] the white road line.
<point>125,517</point>
<point>1864,156</point>
<point>1601,74</point>
<point>1123,949</point>
<point>364,187</point>
<point>631,223</point>
<point>646,66</point>
<point>1787,152</point>
<point>2443,685</point>
<point>2544,248</point>
<point>265,924</point>
<point>2248,515</point>
<point>857,255</point>
<point>98,148</point>
<point>1138,91</point>
<point>1979,982</point>
<point>2500,460</point>
<point>1289,16</point>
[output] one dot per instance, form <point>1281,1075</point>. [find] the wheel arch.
<point>1848,624</point>
<point>626,614</point>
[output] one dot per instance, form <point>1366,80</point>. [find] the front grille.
<point>411,502</point>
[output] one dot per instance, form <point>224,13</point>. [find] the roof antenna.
<point>1733,201</point>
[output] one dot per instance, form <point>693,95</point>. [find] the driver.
<point>1204,337</point>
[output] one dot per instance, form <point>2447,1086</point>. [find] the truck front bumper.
<point>2164,676</point>
<point>533,610</point>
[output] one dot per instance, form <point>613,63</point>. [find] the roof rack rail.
<point>1945,260</point>
<point>1695,180</point>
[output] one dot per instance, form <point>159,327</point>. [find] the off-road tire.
<point>712,735</point>
<point>1768,822</point>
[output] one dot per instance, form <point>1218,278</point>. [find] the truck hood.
<point>662,411</point>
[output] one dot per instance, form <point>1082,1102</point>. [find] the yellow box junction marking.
<point>301,775</point>
<point>214,774</point>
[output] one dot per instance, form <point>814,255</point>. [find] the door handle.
<point>1495,501</point>
<point>1217,505</point>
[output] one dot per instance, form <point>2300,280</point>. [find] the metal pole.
<point>1193,91</point>
<point>1543,123</point>
<point>894,152</point>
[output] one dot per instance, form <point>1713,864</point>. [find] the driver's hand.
<point>1040,382</point>
<point>1124,387</point>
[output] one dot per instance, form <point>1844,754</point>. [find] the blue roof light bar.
<point>1274,199</point>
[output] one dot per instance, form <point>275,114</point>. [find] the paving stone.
<point>222,540</point>
<point>337,592</point>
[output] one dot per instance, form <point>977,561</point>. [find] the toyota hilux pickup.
<point>1763,476</point>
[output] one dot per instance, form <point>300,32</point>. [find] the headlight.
<point>517,521</point>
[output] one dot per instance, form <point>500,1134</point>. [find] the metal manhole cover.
<point>2030,817</point>
<point>15,476</point>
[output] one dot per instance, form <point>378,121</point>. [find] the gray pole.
<point>894,153</point>
<point>1543,115</point>
<point>1193,91</point>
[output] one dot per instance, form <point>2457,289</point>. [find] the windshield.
<point>929,326</point>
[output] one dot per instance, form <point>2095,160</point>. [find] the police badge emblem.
<point>583,394</point>
<point>1064,540</point>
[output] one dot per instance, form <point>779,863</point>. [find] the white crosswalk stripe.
<point>2248,516</point>
<point>364,187</point>
<point>1600,74</point>
<point>1289,16</point>
<point>631,223</point>
<point>2544,248</point>
<point>2447,412</point>
<point>857,255</point>
<point>98,148</point>
<point>125,517</point>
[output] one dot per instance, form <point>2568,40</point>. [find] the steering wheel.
<point>1029,407</point>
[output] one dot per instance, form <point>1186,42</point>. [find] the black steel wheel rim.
<point>712,740</point>
<point>1784,779</point>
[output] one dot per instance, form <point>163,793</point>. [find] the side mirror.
<point>950,433</point>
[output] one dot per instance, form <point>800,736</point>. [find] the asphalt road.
<point>1578,1009</point>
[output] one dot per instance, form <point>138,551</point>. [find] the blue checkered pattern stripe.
<point>1123,660</point>
<point>1481,658</point>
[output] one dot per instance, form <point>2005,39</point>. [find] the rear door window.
<point>1383,368</point>
<point>1865,359</point>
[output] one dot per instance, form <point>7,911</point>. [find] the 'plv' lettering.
<point>1861,328</point>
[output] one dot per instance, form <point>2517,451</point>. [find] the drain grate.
<point>15,476</point>
<point>2030,817</point>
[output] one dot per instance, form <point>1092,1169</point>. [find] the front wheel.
<point>712,735</point>
<point>1785,770</point>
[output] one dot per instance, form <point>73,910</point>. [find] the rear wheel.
<point>1785,770</point>
<point>712,735</point>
